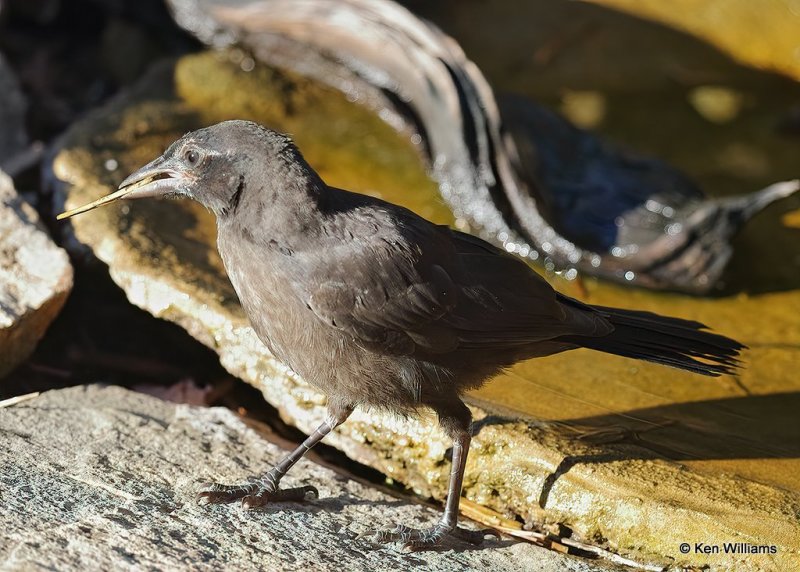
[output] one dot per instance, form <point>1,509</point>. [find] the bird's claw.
<point>434,538</point>
<point>254,494</point>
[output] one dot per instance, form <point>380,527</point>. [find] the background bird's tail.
<point>698,264</point>
<point>669,341</point>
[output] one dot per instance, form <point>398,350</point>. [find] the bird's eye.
<point>192,157</point>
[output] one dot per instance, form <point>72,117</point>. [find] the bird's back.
<point>384,297</point>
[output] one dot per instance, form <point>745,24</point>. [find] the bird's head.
<point>215,165</point>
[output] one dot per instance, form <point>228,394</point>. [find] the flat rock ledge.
<point>35,278</point>
<point>619,496</point>
<point>102,478</point>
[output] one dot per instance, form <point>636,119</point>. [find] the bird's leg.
<point>458,427</point>
<point>264,489</point>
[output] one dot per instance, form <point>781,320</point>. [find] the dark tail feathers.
<point>668,341</point>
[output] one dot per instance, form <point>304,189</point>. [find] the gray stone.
<point>12,115</point>
<point>101,478</point>
<point>35,278</point>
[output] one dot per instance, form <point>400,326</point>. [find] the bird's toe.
<point>216,493</point>
<point>254,494</point>
<point>438,537</point>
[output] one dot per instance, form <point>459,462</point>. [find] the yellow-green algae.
<point>614,419</point>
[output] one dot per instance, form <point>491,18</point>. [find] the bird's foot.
<point>433,538</point>
<point>254,494</point>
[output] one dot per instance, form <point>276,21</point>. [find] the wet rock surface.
<point>35,278</point>
<point>101,478</point>
<point>607,482</point>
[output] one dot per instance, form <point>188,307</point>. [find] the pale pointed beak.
<point>155,179</point>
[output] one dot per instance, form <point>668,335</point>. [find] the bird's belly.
<point>288,328</point>
<point>330,360</point>
<point>322,355</point>
<point>289,334</point>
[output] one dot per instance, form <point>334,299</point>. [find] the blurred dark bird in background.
<point>519,175</point>
<point>377,307</point>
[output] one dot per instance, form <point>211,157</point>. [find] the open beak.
<point>155,179</point>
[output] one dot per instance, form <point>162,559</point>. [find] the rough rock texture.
<point>12,115</point>
<point>35,278</point>
<point>101,478</point>
<point>617,492</point>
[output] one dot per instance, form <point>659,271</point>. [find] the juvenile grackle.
<point>378,307</point>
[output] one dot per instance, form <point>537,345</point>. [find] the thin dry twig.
<point>488,517</point>
<point>11,401</point>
